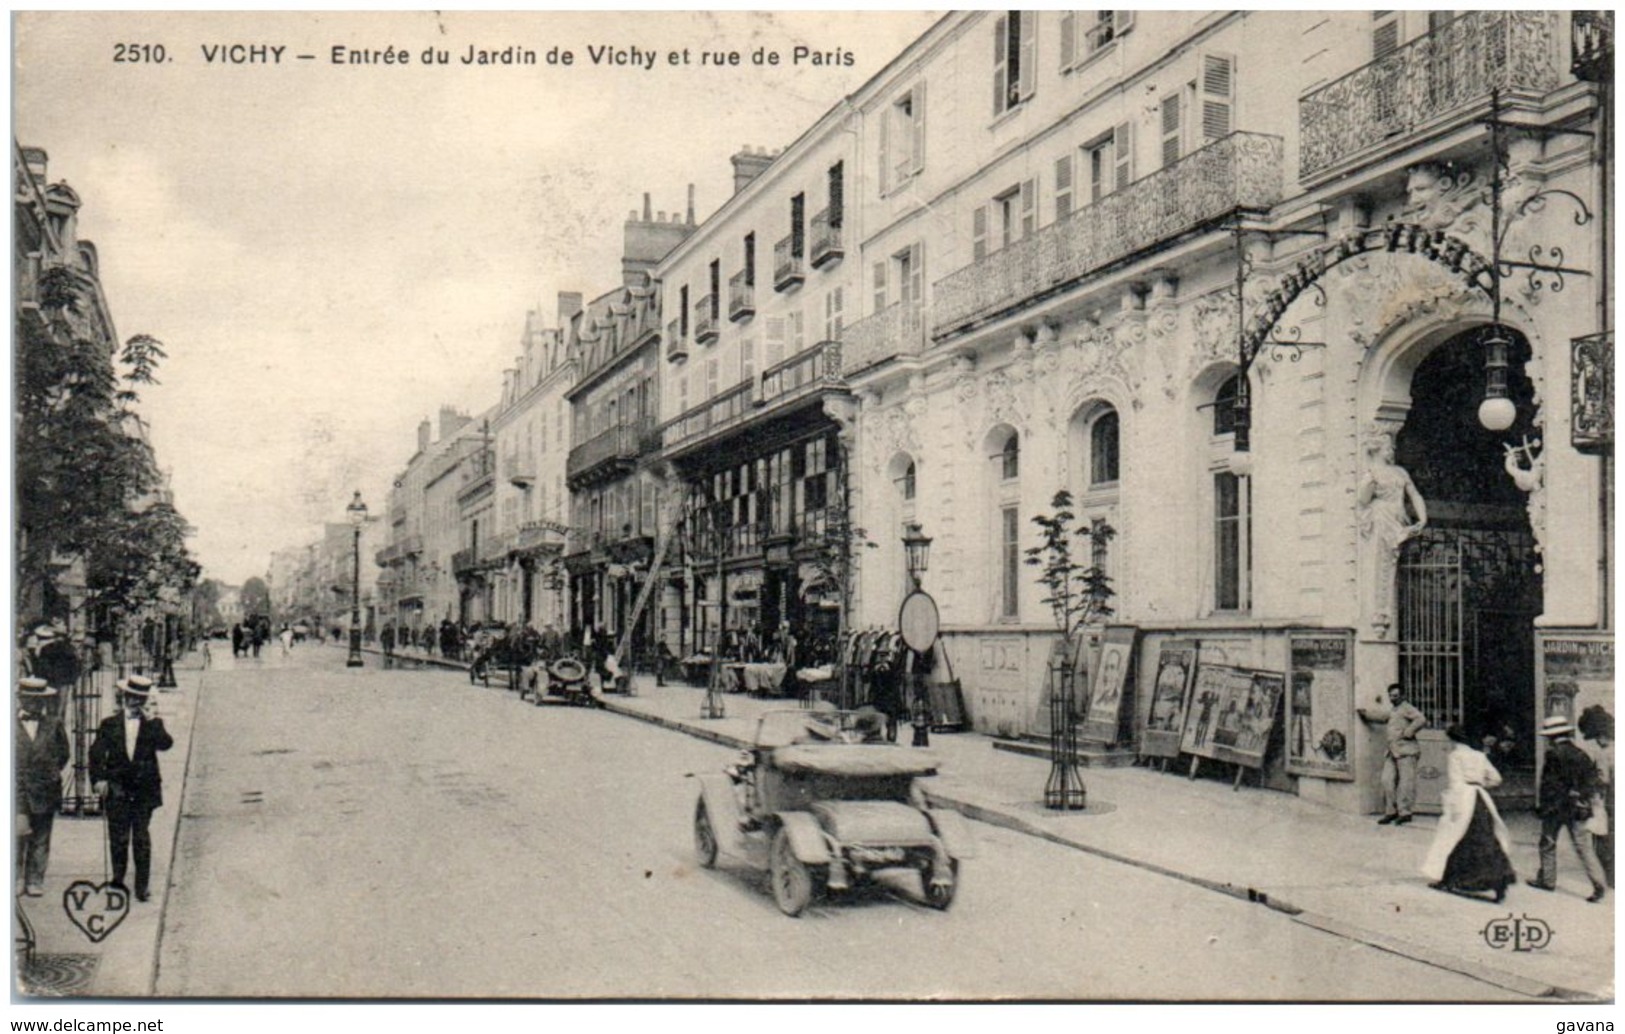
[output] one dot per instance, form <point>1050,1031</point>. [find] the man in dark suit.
<point>1568,783</point>
<point>124,770</point>
<point>42,752</point>
<point>57,663</point>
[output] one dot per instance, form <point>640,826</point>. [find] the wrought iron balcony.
<point>1239,172</point>
<point>741,298</point>
<point>462,562</point>
<point>894,332</point>
<point>787,265</point>
<point>606,455</point>
<point>784,387</point>
<point>1425,82</point>
<point>826,240</point>
<point>537,534</point>
<point>705,320</point>
<point>676,343</point>
<point>521,473</point>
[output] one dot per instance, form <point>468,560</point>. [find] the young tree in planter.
<point>1079,594</point>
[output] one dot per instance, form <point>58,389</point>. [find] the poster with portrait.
<point>1170,692</point>
<point>1320,706</point>
<point>1110,684</point>
<point>1231,713</point>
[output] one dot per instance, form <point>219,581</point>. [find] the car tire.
<point>792,880</point>
<point>939,897</point>
<point>705,836</point>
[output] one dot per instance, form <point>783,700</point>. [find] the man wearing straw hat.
<point>42,752</point>
<point>1568,782</point>
<point>124,770</point>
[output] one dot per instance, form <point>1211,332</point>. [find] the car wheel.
<point>705,837</point>
<point>938,896</point>
<point>792,880</point>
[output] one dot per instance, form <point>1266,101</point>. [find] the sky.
<point>331,252</point>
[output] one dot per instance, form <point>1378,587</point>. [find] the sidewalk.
<point>122,965</point>
<point>1336,872</point>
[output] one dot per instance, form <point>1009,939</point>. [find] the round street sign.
<point>918,621</point>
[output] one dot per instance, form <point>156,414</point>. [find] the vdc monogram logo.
<point>1520,933</point>
<point>96,908</point>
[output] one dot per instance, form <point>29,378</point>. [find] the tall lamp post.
<point>918,622</point>
<point>357,512</point>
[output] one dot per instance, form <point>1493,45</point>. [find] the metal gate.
<point>1463,592</point>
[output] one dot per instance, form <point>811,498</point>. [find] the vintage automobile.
<point>822,802</point>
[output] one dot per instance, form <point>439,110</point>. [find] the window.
<point>682,393</point>
<point>1103,449</point>
<point>1063,187</point>
<point>797,327</point>
<point>711,372</point>
<point>910,263</point>
<point>833,319</point>
<point>798,225</point>
<point>1224,406</point>
<point>775,342</point>
<point>750,260</point>
<point>1010,458</point>
<point>908,482</point>
<point>716,287</point>
<point>1009,561</point>
<point>1014,214</point>
<point>1086,33</point>
<point>902,138</point>
<point>682,312</point>
<point>880,285</point>
<point>1232,539</point>
<point>747,359</point>
<point>1015,35</point>
<point>837,194</point>
<point>1107,27</point>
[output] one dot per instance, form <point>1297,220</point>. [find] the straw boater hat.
<point>44,632</point>
<point>33,687</point>
<point>136,686</point>
<point>1557,725</point>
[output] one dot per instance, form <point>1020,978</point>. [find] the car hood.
<point>873,822</point>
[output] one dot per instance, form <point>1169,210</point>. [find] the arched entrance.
<point>1469,584</point>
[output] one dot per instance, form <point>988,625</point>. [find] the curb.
<point>1319,921</point>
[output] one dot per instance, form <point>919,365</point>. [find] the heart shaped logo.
<point>95,908</point>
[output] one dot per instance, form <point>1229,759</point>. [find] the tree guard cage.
<point>1064,791</point>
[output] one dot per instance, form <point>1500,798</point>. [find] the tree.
<point>1079,594</point>
<point>256,598</point>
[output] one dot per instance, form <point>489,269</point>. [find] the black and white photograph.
<point>1107,508</point>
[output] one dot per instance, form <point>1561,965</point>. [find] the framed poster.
<point>1231,712</point>
<point>1110,684</point>
<point>1576,670</point>
<point>1170,691</point>
<point>1320,705</point>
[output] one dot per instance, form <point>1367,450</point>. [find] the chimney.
<point>423,436</point>
<point>35,159</point>
<point>748,164</point>
<point>569,305</point>
<point>690,204</point>
<point>646,241</point>
<point>451,422</point>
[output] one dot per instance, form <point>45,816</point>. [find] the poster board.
<point>1232,713</point>
<point>1320,705</point>
<point>1110,684</point>
<point>1574,671</point>
<point>1170,692</point>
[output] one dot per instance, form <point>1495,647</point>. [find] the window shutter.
<point>885,147</point>
<point>1027,57</point>
<point>1029,207</point>
<point>837,194</point>
<point>1122,21</point>
<point>1069,43</point>
<point>747,359</point>
<point>775,342</point>
<point>1123,155</point>
<point>1001,50</point>
<point>880,286</point>
<point>919,126</point>
<point>750,260</point>
<point>979,233</point>
<point>1218,89</point>
<point>1063,187</point>
<point>1385,34</point>
<point>916,289</point>
<point>798,327</point>
<point>1170,129</point>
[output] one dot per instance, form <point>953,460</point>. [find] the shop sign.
<point>1320,706</point>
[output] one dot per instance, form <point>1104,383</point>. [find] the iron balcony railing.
<point>1241,171</point>
<point>1422,82</point>
<point>894,332</point>
<point>826,240</point>
<point>741,297</point>
<point>705,319</point>
<point>787,267</point>
<point>462,561</point>
<point>803,372</point>
<point>619,444</point>
<point>676,343</point>
<point>724,410</point>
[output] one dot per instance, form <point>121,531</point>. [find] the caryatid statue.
<point>1391,511</point>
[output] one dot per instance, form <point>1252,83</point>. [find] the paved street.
<point>402,833</point>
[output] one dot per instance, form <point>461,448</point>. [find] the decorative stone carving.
<point>1529,474</point>
<point>962,369</point>
<point>1387,499</point>
<point>1439,196</point>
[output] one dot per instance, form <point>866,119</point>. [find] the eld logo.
<point>1519,934</point>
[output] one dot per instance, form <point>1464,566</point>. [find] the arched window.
<point>1103,449</point>
<point>1224,406</point>
<point>908,482</point>
<point>1010,466</point>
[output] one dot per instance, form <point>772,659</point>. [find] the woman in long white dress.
<point>1470,851</point>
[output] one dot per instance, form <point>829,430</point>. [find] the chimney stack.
<point>748,164</point>
<point>423,436</point>
<point>569,305</point>
<point>691,204</point>
<point>35,159</point>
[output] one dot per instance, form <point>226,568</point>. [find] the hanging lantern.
<point>1496,412</point>
<point>917,547</point>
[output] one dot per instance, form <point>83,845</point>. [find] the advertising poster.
<point>1216,688</point>
<point>1110,684</point>
<point>1320,707</point>
<point>1170,692</point>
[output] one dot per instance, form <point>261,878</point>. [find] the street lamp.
<point>917,547</point>
<point>357,512</point>
<point>1497,412</point>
